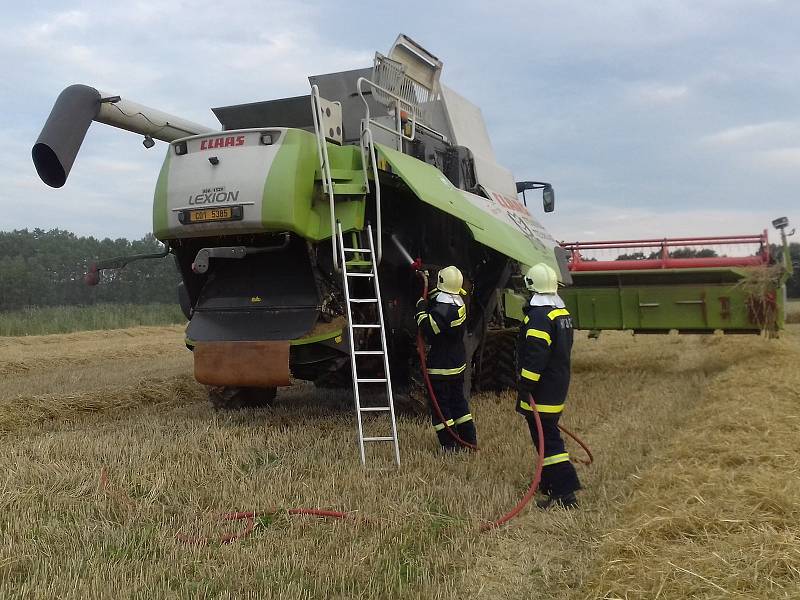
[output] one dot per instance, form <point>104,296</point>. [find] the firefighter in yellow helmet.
<point>544,346</point>
<point>441,320</point>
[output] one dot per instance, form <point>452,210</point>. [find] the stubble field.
<point>694,491</point>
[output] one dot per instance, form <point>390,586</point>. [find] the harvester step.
<point>360,274</point>
<point>375,408</point>
<point>358,263</point>
<point>356,249</point>
<point>363,300</point>
<point>366,326</point>
<point>357,352</point>
<point>386,438</point>
<point>372,380</point>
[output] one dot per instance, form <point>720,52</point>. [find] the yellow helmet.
<point>541,279</point>
<point>450,280</point>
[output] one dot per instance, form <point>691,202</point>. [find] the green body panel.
<point>513,304</point>
<point>315,339</point>
<point>293,199</point>
<point>432,187</point>
<point>289,186</point>
<point>160,208</point>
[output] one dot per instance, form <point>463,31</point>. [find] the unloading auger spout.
<point>74,110</point>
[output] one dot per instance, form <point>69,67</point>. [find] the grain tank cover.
<point>285,112</point>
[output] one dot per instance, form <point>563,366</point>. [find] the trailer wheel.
<point>237,398</point>
<point>495,367</point>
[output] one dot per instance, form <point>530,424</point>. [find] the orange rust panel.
<point>251,364</point>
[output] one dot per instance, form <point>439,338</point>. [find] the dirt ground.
<point>694,492</point>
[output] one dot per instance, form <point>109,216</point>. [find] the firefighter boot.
<point>446,440</point>
<point>566,501</point>
<point>466,431</point>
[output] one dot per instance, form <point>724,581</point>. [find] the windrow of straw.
<point>25,411</point>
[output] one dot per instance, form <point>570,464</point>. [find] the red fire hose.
<point>540,450</point>
<point>250,516</point>
<point>423,364</point>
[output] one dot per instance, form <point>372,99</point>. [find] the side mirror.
<point>549,199</point>
<point>548,194</point>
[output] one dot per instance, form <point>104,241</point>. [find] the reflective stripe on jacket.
<point>544,345</point>
<point>442,325</point>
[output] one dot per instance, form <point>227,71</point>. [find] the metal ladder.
<point>372,274</point>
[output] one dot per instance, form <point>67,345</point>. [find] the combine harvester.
<point>294,229</point>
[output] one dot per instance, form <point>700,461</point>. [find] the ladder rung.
<point>375,408</point>
<point>372,380</point>
<point>362,300</point>
<point>356,249</point>
<point>365,326</point>
<point>386,438</point>
<point>360,274</point>
<point>368,352</point>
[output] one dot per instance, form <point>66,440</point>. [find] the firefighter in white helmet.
<point>441,320</point>
<point>544,346</point>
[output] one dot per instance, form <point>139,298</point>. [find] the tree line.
<point>46,268</point>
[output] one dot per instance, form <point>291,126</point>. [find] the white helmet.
<point>450,280</point>
<point>541,279</point>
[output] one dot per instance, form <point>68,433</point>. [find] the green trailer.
<point>683,284</point>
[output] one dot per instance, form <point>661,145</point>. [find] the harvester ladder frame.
<point>325,167</point>
<point>372,274</point>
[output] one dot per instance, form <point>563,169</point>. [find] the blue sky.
<point>650,118</point>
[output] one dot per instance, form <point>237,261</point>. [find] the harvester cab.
<point>251,212</point>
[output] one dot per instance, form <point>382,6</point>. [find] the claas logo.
<point>222,142</point>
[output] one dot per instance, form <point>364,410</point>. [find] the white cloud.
<point>756,133</point>
<point>780,158</point>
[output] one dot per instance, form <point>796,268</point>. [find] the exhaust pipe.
<point>74,110</point>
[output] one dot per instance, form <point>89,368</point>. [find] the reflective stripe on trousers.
<point>542,408</point>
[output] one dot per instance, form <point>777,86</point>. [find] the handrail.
<point>327,183</point>
<point>658,242</point>
<point>367,132</point>
<point>412,112</point>
<point>367,144</point>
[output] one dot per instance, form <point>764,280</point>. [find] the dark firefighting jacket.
<point>544,346</point>
<point>441,320</point>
